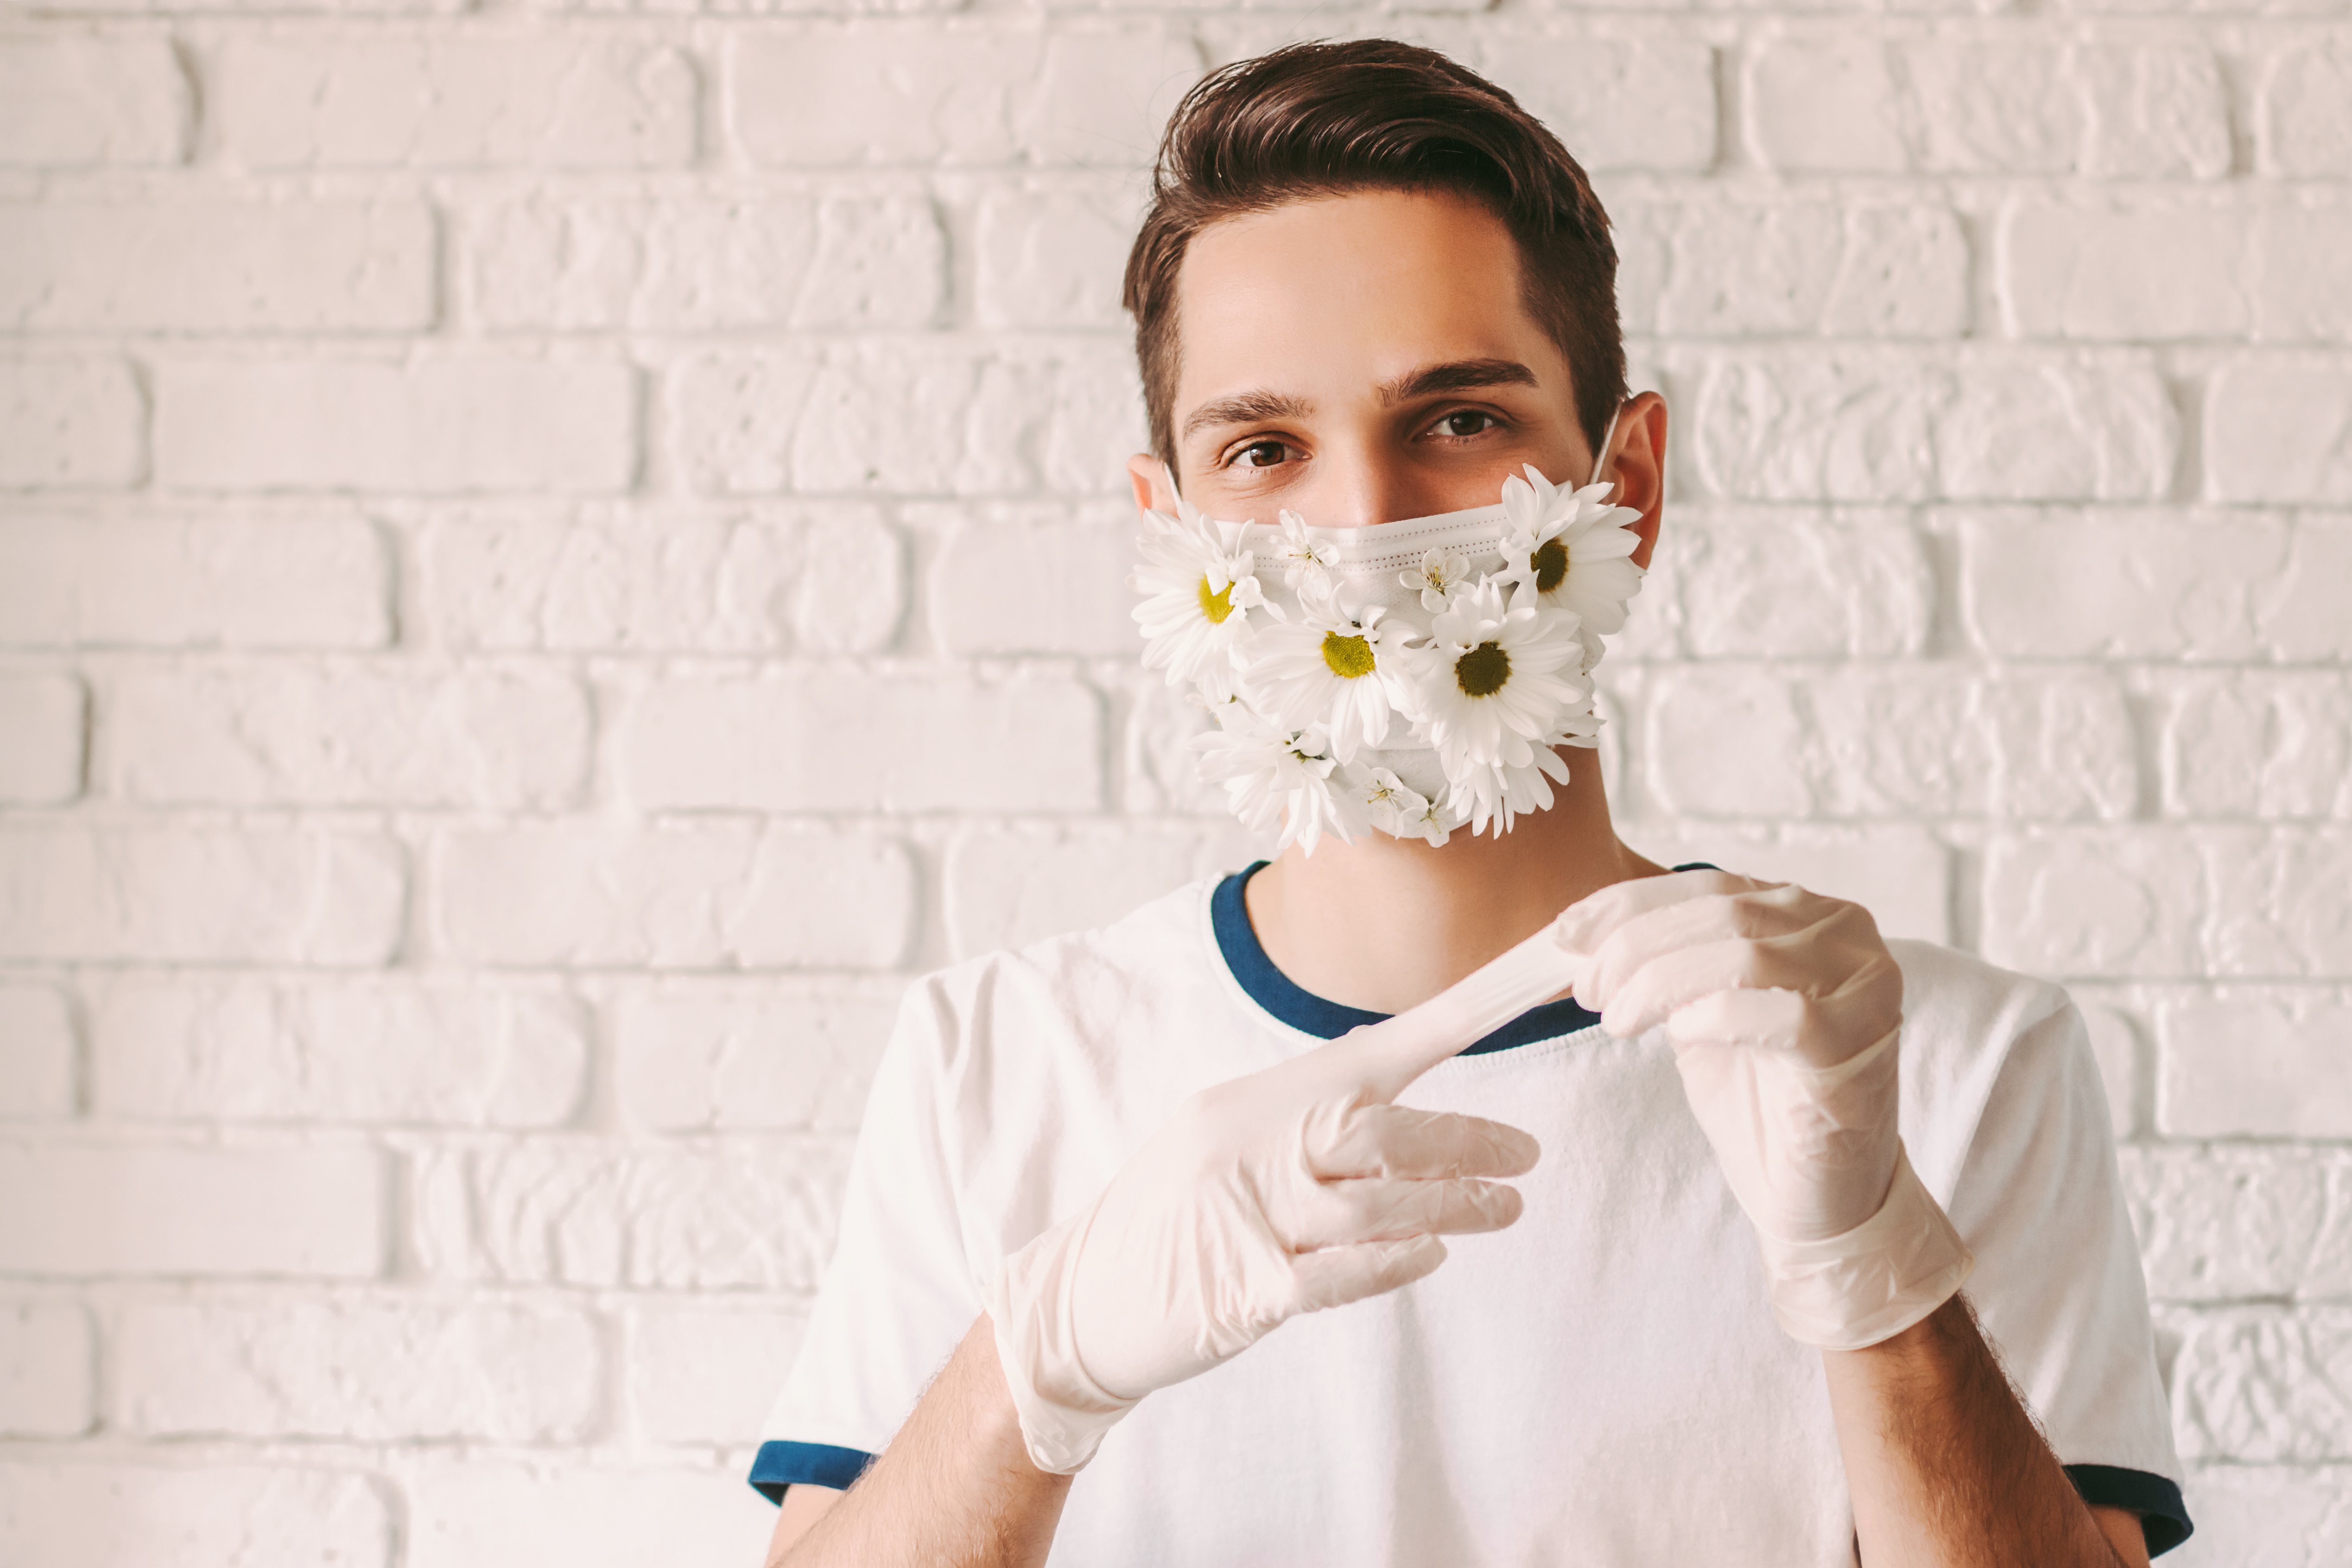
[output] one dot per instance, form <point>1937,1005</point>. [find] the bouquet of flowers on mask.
<point>1409,677</point>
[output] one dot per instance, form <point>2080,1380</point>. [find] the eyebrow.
<point>1428,381</point>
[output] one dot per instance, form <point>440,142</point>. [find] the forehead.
<point>1335,293</point>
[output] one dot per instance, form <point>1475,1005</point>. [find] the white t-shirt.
<point>1603,1383</point>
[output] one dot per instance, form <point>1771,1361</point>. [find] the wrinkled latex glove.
<point>1285,1191</point>
<point>1785,1011</point>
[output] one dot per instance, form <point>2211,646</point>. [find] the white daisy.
<point>1328,668</point>
<point>1399,810</point>
<point>1201,586</point>
<point>1494,683</point>
<point>1569,549</point>
<point>1489,794</point>
<point>1306,563</point>
<point>1440,576</point>
<point>1275,777</point>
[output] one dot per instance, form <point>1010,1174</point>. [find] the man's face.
<point>1359,358</point>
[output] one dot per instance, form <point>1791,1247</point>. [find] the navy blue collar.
<point>1279,994</point>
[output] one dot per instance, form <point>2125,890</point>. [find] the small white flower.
<point>1489,795</point>
<point>1330,669</point>
<point>1306,563</point>
<point>1273,777</point>
<point>1200,586</point>
<point>1441,574</point>
<point>1570,550</point>
<point>1495,683</point>
<point>1399,810</point>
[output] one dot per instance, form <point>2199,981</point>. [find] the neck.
<point>1386,923</point>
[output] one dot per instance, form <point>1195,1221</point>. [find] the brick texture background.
<point>550,555</point>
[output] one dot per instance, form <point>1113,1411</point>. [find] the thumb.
<point>1388,1055</point>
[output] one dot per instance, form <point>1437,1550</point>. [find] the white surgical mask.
<point>1410,677</point>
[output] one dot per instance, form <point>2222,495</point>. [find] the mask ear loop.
<point>1170,469</point>
<point>1600,456</point>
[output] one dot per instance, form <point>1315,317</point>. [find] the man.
<point>1180,1256</point>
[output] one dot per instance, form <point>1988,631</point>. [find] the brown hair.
<point>1316,119</point>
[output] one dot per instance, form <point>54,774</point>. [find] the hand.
<point>1287,1190</point>
<point>1785,1011</point>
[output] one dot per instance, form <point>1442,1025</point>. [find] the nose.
<point>1357,486</point>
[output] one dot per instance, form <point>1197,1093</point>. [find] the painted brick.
<point>2263,1384</point>
<point>1838,270</point>
<point>703,1057</point>
<point>114,1209</point>
<point>344,734</point>
<point>43,717</point>
<point>353,266</point>
<point>1052,257</point>
<point>928,741</point>
<point>2118,903</point>
<point>909,418</point>
<point>1846,426</point>
<point>2270,1516</point>
<point>1765,583</point>
<point>234,1515</point>
<point>48,1362</point>
<point>281,1366</point>
<point>1902,875</point>
<point>244,581</point>
<point>2085,268</point>
<point>440,425</point>
<point>70,424</point>
<point>2282,902</point>
<point>38,1057</point>
<point>1618,100</point>
<point>757,258</point>
<point>478,1513</point>
<point>721,896</point>
<point>2278,427</point>
<point>458,100</point>
<point>956,94</point>
<point>2302,273</point>
<point>852,593</point>
<point>2274,1062</point>
<point>200,894</point>
<point>2256,745</point>
<point>1067,571</point>
<point>1010,887</point>
<point>2220,585</point>
<point>2303,113</point>
<point>1158,768</point>
<point>67,101</point>
<point>736,1214</point>
<point>191,1049</point>
<point>2224,1222</point>
<point>705,1374</point>
<point>1824,103</point>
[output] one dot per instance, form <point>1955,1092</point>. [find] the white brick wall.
<point>551,556</point>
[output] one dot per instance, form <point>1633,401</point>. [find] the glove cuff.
<point>1063,1412</point>
<point>1846,1292</point>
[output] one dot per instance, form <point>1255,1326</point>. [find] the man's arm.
<point>954,1489</point>
<point>1947,1469</point>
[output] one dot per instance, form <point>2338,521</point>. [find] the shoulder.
<point>1963,1021</point>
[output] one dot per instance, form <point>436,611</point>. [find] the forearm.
<point>954,1489</point>
<point>1946,1469</point>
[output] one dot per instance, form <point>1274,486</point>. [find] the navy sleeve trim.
<point>2163,1515</point>
<point>780,1465</point>
<point>1284,997</point>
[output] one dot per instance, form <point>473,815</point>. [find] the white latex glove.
<point>1283,1192</point>
<point>1784,1009</point>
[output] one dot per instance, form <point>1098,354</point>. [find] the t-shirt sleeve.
<point>898,1296</point>
<point>2058,1286</point>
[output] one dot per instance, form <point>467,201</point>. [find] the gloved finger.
<point>1398,1140</point>
<point>1334,1276</point>
<point>1822,1030</point>
<point>1674,979</point>
<point>1584,925</point>
<point>1388,1055</point>
<point>1712,917</point>
<point>1378,1208</point>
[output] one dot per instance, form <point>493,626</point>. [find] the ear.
<point>1150,477</point>
<point>1640,467</point>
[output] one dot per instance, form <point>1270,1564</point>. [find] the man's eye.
<point>1466,422</point>
<point>1261,455</point>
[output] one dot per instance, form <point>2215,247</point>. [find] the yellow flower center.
<point>1551,566</point>
<point>1350,658</point>
<point>1216,606</point>
<point>1482,671</point>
